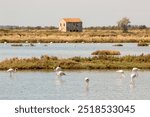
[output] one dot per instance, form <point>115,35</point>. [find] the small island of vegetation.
<point>96,62</point>
<point>106,52</point>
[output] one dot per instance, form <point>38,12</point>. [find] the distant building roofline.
<point>72,19</point>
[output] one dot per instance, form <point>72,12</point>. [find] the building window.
<point>60,24</point>
<point>64,24</point>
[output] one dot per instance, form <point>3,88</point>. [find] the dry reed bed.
<point>143,44</point>
<point>97,62</point>
<point>106,52</point>
<point>53,35</point>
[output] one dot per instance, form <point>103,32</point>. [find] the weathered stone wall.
<point>70,26</point>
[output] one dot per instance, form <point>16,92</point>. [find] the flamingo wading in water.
<point>122,73</point>
<point>134,74</point>
<point>59,71</point>
<point>11,71</point>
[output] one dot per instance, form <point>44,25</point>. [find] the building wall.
<point>70,26</point>
<point>62,26</point>
<point>74,26</point>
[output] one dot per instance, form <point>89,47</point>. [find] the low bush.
<point>106,52</point>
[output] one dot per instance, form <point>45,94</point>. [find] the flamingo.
<point>134,74</point>
<point>87,81</point>
<point>60,73</point>
<point>122,73</point>
<point>58,69</point>
<point>11,71</point>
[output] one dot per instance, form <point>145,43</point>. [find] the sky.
<point>91,12</point>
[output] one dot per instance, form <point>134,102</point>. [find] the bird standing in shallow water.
<point>87,82</point>
<point>58,69</point>
<point>11,71</point>
<point>122,73</point>
<point>134,75</point>
<point>60,73</point>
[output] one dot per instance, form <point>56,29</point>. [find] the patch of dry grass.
<point>53,35</point>
<point>16,44</point>
<point>106,52</point>
<point>118,44</point>
<point>95,62</point>
<point>142,44</point>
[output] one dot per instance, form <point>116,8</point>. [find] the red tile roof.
<point>72,19</point>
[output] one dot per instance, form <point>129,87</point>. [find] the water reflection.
<point>59,81</point>
<point>12,77</point>
<point>120,81</point>
<point>132,85</point>
<point>86,86</point>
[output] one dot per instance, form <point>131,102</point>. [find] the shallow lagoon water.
<point>66,50</point>
<point>44,85</point>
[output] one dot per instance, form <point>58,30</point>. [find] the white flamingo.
<point>87,81</point>
<point>11,71</point>
<point>58,69</point>
<point>134,74</point>
<point>122,73</point>
<point>60,73</point>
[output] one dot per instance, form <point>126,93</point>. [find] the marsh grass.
<point>106,52</point>
<point>118,44</point>
<point>87,36</point>
<point>142,44</point>
<point>96,62</point>
<point>16,44</point>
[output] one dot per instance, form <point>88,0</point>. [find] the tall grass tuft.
<point>142,44</point>
<point>106,52</point>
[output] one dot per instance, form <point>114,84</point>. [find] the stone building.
<point>70,25</point>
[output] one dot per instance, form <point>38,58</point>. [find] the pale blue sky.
<point>91,12</point>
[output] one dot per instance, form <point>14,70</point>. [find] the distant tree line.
<point>91,27</point>
<point>117,28</point>
<point>123,24</point>
<point>28,27</point>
